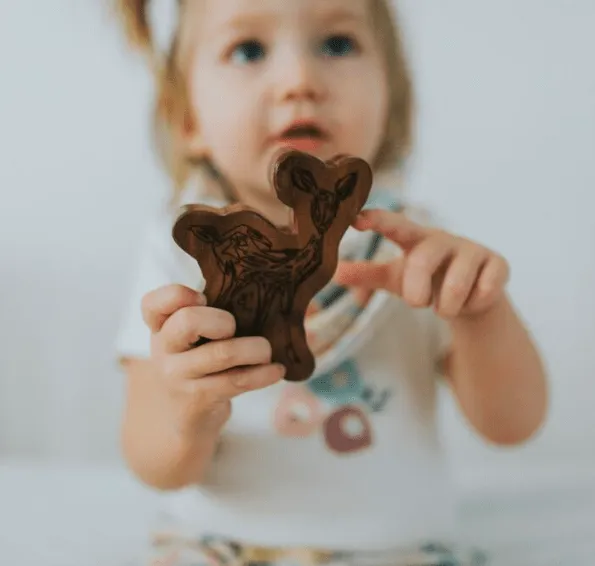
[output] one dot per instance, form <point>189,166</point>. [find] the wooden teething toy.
<point>266,275</point>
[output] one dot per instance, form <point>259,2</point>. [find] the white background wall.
<point>505,155</point>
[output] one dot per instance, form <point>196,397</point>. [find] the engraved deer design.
<point>260,280</point>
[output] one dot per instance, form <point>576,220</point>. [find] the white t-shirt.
<point>349,460</point>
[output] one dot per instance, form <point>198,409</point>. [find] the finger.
<point>370,275</point>
<point>421,265</point>
<point>234,382</point>
<point>208,399</point>
<point>459,280</point>
<point>185,326</point>
<point>217,356</point>
<point>491,281</point>
<point>393,225</point>
<point>158,305</point>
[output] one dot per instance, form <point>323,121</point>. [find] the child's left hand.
<point>456,276</point>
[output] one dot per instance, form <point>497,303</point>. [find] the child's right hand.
<point>199,383</point>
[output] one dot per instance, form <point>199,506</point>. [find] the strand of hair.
<point>134,16</point>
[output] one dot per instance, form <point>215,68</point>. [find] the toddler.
<point>347,467</point>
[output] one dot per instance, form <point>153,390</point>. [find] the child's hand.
<point>199,383</point>
<point>458,277</point>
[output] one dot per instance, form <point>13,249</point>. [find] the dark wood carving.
<point>267,275</point>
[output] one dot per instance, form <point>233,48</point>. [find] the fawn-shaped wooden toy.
<point>266,275</point>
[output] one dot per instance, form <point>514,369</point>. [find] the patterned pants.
<point>172,550</point>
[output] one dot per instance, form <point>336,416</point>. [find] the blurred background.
<point>505,153</point>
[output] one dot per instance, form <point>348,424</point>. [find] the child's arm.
<point>159,454</point>
<point>497,375</point>
<point>495,370</point>
<point>179,399</point>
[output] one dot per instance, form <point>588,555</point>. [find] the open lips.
<point>303,136</point>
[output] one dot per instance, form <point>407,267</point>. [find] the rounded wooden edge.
<point>286,159</point>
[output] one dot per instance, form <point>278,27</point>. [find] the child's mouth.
<point>303,137</point>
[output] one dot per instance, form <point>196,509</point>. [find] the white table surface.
<point>60,515</point>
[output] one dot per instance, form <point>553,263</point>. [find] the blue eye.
<point>338,46</point>
<point>248,52</point>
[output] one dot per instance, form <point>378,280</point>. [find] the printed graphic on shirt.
<point>337,403</point>
<point>299,413</point>
<point>347,430</point>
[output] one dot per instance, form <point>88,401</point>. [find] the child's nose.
<point>299,78</point>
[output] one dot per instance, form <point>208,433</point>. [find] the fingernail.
<point>201,300</point>
<point>282,370</point>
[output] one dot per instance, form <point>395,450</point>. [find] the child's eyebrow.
<point>245,21</point>
<point>342,15</point>
<point>262,19</point>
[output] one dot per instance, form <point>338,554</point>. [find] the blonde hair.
<point>173,112</point>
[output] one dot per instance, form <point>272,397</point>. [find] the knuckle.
<point>164,298</point>
<point>176,293</point>
<point>456,288</point>
<point>486,290</point>
<point>240,382</point>
<point>473,247</point>
<point>224,352</point>
<point>439,234</point>
<point>244,380</point>
<point>185,321</point>
<point>167,369</point>
<point>420,260</point>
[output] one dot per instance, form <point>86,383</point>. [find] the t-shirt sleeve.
<point>160,262</point>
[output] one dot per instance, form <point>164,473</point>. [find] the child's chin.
<point>313,146</point>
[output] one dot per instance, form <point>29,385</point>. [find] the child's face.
<point>259,69</point>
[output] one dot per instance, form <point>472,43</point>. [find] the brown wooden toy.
<point>267,275</point>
